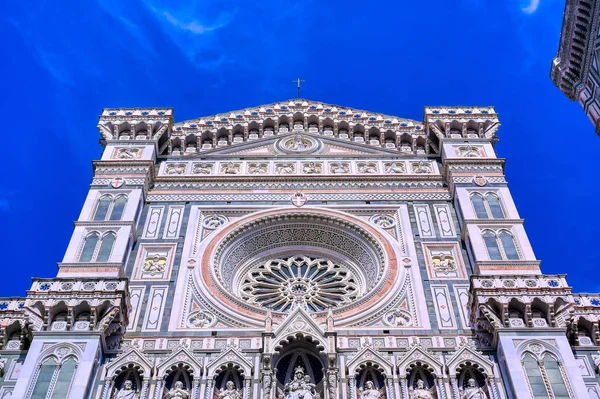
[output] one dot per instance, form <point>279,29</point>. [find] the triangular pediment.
<point>133,356</point>
<point>369,355</point>
<point>266,147</point>
<point>180,355</point>
<point>418,354</point>
<point>467,353</point>
<point>231,354</point>
<point>299,324</point>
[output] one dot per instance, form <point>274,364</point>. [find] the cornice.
<point>107,223</point>
<point>493,222</point>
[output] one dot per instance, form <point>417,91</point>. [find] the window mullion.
<point>53,382</point>
<point>97,248</point>
<point>110,209</point>
<point>546,379</point>
<point>488,210</point>
<point>500,246</point>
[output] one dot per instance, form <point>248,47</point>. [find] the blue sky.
<point>61,65</point>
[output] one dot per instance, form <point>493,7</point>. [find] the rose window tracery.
<point>316,283</point>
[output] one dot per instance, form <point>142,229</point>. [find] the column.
<point>454,388</point>
<point>440,388</point>
<point>210,386</point>
<point>195,388</point>
<point>332,383</point>
<point>352,387</point>
<point>108,384</point>
<point>492,388</point>
<point>145,387</point>
<point>403,387</point>
<point>389,382</point>
<point>247,384</point>
<point>159,388</point>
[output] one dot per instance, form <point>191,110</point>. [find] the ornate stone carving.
<point>177,392</point>
<point>202,168</point>
<point>472,391</point>
<point>420,392</point>
<point>368,391</point>
<point>230,168</point>
<point>383,221</point>
<point>175,169</point>
<point>312,167</point>
<point>128,153</point>
<point>298,143</point>
<point>300,387</point>
<point>257,168</point>
<point>421,167</point>
<point>201,319</point>
<point>280,283</point>
<point>229,392</point>
<point>468,151</point>
<point>339,167</point>
<point>212,222</point>
<point>285,168</point>
<point>366,167</point>
<point>394,167</point>
<point>398,318</point>
<point>443,263</point>
<point>127,392</point>
<point>154,264</point>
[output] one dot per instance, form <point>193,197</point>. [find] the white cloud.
<point>530,7</point>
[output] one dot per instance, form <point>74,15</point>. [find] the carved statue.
<point>127,392</point>
<point>472,391</point>
<point>420,392</point>
<point>177,392</point>
<point>369,391</point>
<point>229,392</point>
<point>300,387</point>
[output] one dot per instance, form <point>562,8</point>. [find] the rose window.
<point>316,283</point>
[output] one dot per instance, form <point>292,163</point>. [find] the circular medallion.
<point>298,143</point>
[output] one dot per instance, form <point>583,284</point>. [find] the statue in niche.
<point>177,392</point>
<point>472,391</point>
<point>369,391</point>
<point>300,387</point>
<point>127,392</point>
<point>229,392</point>
<point>420,392</point>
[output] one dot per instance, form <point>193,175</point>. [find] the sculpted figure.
<point>127,392</point>
<point>395,168</point>
<point>367,168</point>
<point>300,387</point>
<point>230,392</point>
<point>472,391</point>
<point>312,167</point>
<point>421,167</point>
<point>285,168</point>
<point>230,168</point>
<point>177,392</point>
<point>340,168</point>
<point>420,392</point>
<point>369,391</point>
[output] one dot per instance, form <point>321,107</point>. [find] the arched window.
<point>545,377</point>
<point>54,379</point>
<point>500,246</point>
<point>508,244</point>
<point>106,247</point>
<point>479,206</point>
<point>65,378</point>
<point>96,249</point>
<point>494,205</point>
<point>102,208</point>
<point>534,376</point>
<point>492,245</point>
<point>44,378</point>
<point>118,207</point>
<point>110,208</point>
<point>487,206</point>
<point>87,253</point>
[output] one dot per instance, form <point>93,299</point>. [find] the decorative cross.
<point>298,81</point>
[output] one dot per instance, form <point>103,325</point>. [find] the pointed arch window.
<point>89,247</point>
<point>53,380</point>
<point>487,206</point>
<point>545,376</point>
<point>500,245</point>
<point>110,208</point>
<point>96,249</point>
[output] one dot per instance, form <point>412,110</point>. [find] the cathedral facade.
<point>300,250</point>
<point>576,67</point>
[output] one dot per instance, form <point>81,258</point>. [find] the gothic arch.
<point>231,357</point>
<point>132,359</point>
<point>369,355</point>
<point>181,357</point>
<point>418,356</point>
